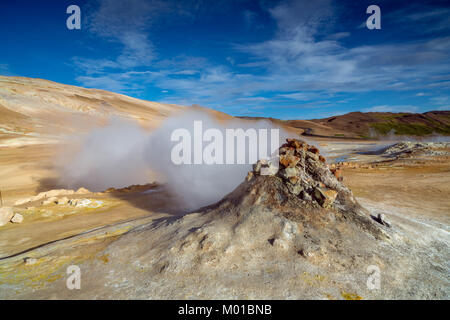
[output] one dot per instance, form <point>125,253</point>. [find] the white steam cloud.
<point>123,154</point>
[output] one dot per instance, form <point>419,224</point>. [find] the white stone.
<point>30,261</point>
<point>17,218</point>
<point>6,213</point>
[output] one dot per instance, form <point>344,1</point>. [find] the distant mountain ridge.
<point>374,124</point>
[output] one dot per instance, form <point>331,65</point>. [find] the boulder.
<point>297,144</point>
<point>29,261</point>
<point>269,169</point>
<point>22,201</point>
<point>6,213</point>
<point>312,155</point>
<point>80,202</point>
<point>288,160</point>
<point>295,189</point>
<point>17,218</point>
<point>63,201</point>
<point>52,200</point>
<point>82,191</point>
<point>337,173</point>
<point>313,149</point>
<point>289,172</point>
<point>381,219</point>
<point>325,197</point>
<point>44,195</point>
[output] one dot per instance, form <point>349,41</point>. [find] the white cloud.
<point>298,63</point>
<point>392,108</point>
<point>253,99</point>
<point>296,96</point>
<point>440,100</point>
<point>4,70</point>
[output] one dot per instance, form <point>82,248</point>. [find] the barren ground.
<point>412,193</point>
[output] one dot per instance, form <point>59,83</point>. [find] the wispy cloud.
<point>4,70</point>
<point>303,61</point>
<point>392,108</point>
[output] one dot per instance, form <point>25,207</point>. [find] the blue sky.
<point>283,59</point>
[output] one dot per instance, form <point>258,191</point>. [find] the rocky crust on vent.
<point>301,187</point>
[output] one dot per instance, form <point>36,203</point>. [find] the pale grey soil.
<point>258,243</point>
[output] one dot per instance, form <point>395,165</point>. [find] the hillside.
<point>35,111</point>
<point>373,124</point>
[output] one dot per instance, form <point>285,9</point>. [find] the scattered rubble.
<point>426,148</point>
<point>52,200</point>
<point>79,202</point>
<point>85,203</point>
<point>51,195</point>
<point>305,173</point>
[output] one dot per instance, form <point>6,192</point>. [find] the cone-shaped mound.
<point>272,229</point>
<point>302,189</point>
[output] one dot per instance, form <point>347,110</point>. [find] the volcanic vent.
<point>302,189</point>
<point>297,220</point>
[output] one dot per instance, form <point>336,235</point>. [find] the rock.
<point>381,219</point>
<point>82,191</point>
<point>313,150</point>
<point>44,195</point>
<point>268,168</point>
<point>52,200</point>
<point>304,253</point>
<point>6,213</point>
<point>17,218</point>
<point>294,180</point>
<point>257,167</point>
<point>289,172</point>
<point>305,174</point>
<point>288,160</point>
<point>73,202</point>
<point>56,193</point>
<point>295,188</point>
<point>29,261</point>
<point>297,144</point>
<point>306,196</point>
<point>287,150</point>
<point>408,147</point>
<point>63,201</point>
<point>281,244</point>
<point>22,201</point>
<point>313,156</point>
<point>325,197</point>
<point>80,202</point>
<point>265,168</point>
<point>337,173</point>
